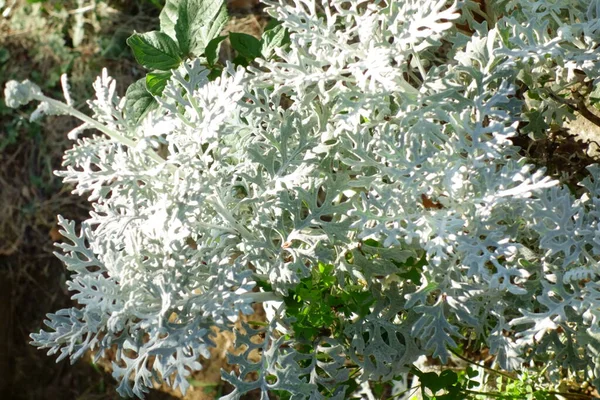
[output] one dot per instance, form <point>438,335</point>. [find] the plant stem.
<point>572,395</point>
<point>414,389</point>
<point>261,297</point>
<point>504,374</point>
<point>97,125</point>
<point>489,394</point>
<point>218,206</point>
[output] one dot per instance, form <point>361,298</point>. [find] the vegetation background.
<point>40,40</point>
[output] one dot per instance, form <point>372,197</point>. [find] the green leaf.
<point>537,125</point>
<point>212,50</point>
<point>213,28</point>
<point>117,44</point>
<point>472,373</point>
<point>271,24</point>
<point>325,269</point>
<point>215,73</point>
<point>138,101</point>
<point>448,378</point>
<point>240,61</point>
<point>413,274</point>
<point>379,389</point>
<point>434,382</point>
<point>155,50</point>
<point>428,379</point>
<point>168,18</point>
<point>193,23</point>
<point>595,94</point>
<point>4,55</point>
<point>534,94</point>
<point>156,81</point>
<point>246,45</point>
<point>156,3</point>
<point>355,302</point>
<point>276,37</point>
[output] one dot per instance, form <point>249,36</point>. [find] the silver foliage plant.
<point>381,120</point>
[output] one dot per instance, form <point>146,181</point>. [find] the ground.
<point>40,41</point>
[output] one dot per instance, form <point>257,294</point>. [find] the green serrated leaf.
<point>168,18</point>
<point>156,81</point>
<point>212,29</point>
<point>246,46</point>
<point>276,37</point>
<point>193,23</point>
<point>212,50</point>
<point>138,101</point>
<point>155,50</point>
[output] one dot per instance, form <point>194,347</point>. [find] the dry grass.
<point>32,280</point>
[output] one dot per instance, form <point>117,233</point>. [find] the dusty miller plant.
<point>371,158</point>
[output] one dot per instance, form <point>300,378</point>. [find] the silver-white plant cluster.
<point>382,120</point>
